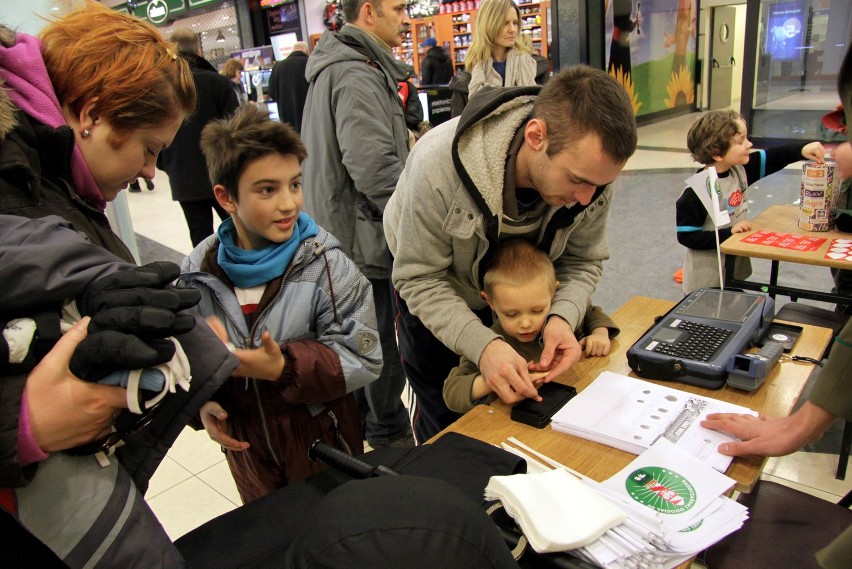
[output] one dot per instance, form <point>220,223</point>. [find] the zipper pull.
<point>343,444</point>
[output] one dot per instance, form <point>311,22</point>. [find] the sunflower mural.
<point>680,88</point>
<point>662,51</point>
<point>627,83</point>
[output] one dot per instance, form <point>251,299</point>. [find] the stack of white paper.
<point>677,501</point>
<point>631,414</point>
<point>674,504</point>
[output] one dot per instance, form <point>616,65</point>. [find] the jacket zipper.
<point>258,399</point>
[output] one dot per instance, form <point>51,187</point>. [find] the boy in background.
<point>519,287</point>
<point>297,310</point>
<point>720,139</point>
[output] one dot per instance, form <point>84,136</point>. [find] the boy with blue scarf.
<point>299,314</point>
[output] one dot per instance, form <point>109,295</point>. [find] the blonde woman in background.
<point>233,71</point>
<point>497,56</point>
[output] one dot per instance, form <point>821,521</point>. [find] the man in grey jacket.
<point>517,163</point>
<point>357,140</point>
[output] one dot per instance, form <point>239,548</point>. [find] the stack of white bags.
<point>659,511</point>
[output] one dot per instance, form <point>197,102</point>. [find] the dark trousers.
<point>381,401</point>
<point>199,218</point>
<point>427,363</point>
<point>842,284</point>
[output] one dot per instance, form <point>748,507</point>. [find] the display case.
<point>406,51</point>
<point>422,28</point>
<point>533,24</point>
<point>462,29</point>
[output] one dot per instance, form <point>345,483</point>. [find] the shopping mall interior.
<point>782,86</point>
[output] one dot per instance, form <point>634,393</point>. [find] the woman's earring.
<point>85,133</point>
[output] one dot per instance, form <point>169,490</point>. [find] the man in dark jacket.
<point>437,69</point>
<point>288,86</point>
<point>183,160</point>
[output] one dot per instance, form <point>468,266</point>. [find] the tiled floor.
<point>193,484</point>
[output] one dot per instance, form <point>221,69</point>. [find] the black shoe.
<point>149,184</point>
<point>134,187</point>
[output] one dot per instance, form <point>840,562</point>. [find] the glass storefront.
<point>215,23</point>
<point>799,47</point>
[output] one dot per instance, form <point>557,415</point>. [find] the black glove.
<point>104,352</point>
<point>140,301</point>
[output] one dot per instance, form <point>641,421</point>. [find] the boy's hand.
<point>213,417</point>
<point>538,378</point>
<point>741,227</point>
<point>814,151</point>
<point>266,362</point>
<point>596,344</point>
<point>479,388</point>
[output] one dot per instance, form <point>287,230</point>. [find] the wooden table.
<point>782,219</point>
<point>778,394</point>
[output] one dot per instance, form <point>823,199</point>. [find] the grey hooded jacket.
<point>322,298</point>
<point>357,141</point>
<point>442,224</point>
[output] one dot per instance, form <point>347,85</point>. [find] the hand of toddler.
<point>814,151</point>
<point>741,227</point>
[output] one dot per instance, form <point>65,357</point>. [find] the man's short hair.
<point>711,135</point>
<point>230,145</point>
<point>352,8</point>
<point>186,40</point>
<point>516,263</point>
<point>579,101</point>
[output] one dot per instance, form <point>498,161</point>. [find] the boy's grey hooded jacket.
<point>322,298</point>
<point>321,314</point>
<point>442,224</point>
<point>354,129</point>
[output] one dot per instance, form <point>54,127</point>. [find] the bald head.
<point>300,46</point>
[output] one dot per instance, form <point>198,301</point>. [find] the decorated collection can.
<point>819,196</point>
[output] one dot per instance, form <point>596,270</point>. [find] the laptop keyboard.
<point>701,344</point>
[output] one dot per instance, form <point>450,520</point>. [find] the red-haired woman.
<point>84,110</point>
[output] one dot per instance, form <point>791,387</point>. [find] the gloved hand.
<point>104,352</point>
<point>133,312</point>
<point>139,301</point>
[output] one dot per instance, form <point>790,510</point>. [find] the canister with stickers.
<point>819,196</point>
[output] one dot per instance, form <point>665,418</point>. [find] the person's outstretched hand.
<point>505,372</point>
<point>561,349</point>
<point>65,411</point>
<point>768,436</point>
<point>214,419</point>
<point>265,362</point>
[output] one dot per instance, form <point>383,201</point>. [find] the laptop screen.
<point>729,306</point>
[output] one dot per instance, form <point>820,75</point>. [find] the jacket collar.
<point>196,62</point>
<point>40,150</point>
<point>484,133</point>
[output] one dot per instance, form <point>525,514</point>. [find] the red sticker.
<point>736,199</point>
